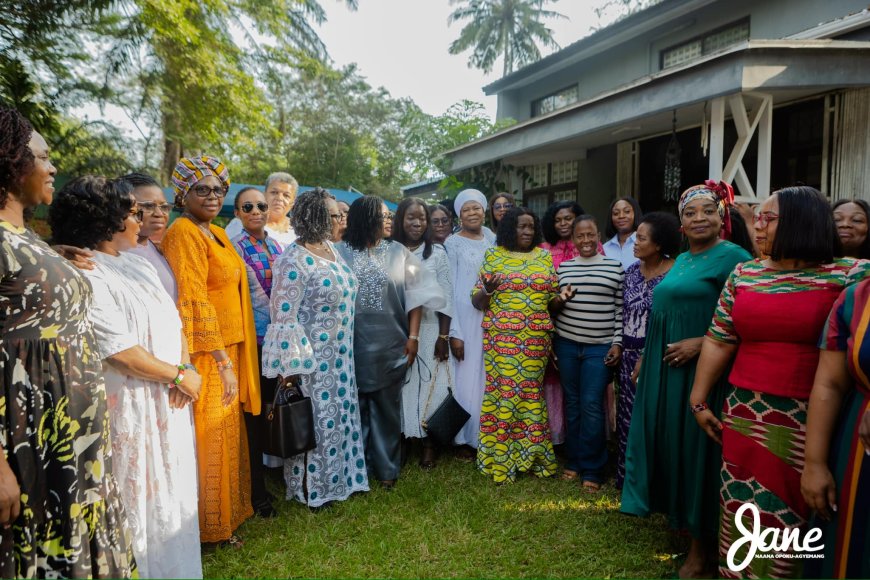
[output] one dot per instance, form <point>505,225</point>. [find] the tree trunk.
<point>172,150</point>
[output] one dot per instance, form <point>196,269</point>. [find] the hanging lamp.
<point>673,173</point>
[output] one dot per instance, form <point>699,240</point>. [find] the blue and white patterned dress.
<point>311,335</point>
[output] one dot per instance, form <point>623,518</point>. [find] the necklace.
<point>322,250</point>
<point>203,228</point>
<point>414,248</point>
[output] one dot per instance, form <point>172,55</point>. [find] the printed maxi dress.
<point>514,430</point>
<point>54,424</point>
<point>311,335</point>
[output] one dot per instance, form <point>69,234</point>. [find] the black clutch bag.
<point>446,421</point>
<point>290,420</point>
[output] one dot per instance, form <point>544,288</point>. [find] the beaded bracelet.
<point>179,377</point>
<point>699,407</point>
<point>225,364</point>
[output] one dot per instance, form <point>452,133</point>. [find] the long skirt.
<point>555,398</point>
<point>624,408</point>
<point>762,459</point>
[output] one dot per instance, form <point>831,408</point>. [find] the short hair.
<point>448,205</point>
<point>610,229</point>
<point>664,232</point>
<point>365,219</point>
<point>585,217</point>
<point>506,236</point>
<point>244,190</point>
<point>310,216</point>
<point>549,222</point>
<point>89,210</point>
<point>864,248</point>
<point>16,158</point>
<point>494,197</point>
<point>399,221</point>
<point>137,179</point>
<point>282,177</point>
<point>806,229</point>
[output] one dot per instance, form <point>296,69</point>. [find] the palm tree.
<point>511,29</point>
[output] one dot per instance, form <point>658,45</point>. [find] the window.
<point>703,45</point>
<point>556,101</point>
<point>550,182</point>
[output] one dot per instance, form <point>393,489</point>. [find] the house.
<point>760,93</point>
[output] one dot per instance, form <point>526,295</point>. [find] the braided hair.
<point>365,222</point>
<point>310,217</point>
<point>137,179</point>
<point>89,210</point>
<point>16,158</point>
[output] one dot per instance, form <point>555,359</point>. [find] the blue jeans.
<point>584,380</point>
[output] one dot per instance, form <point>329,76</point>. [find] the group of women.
<point>137,356</point>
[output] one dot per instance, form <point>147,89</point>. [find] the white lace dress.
<point>153,445</point>
<point>465,257</point>
<point>415,393</point>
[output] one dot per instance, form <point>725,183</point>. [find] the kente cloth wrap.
<point>190,171</point>
<point>720,193</point>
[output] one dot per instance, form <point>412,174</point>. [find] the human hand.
<point>491,282</point>
<point>190,385</point>
<point>710,424</point>
<point>682,352</point>
<point>80,257</point>
<point>231,385</point>
<point>442,350</point>
<point>178,400</point>
<point>457,347</point>
<point>613,356</point>
<point>10,495</point>
<point>819,489</point>
<point>636,370</point>
<point>864,432</point>
<point>411,347</point>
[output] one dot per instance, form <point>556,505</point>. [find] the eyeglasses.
<point>339,217</point>
<point>388,215</point>
<point>501,206</point>
<point>136,214</point>
<point>152,207</point>
<point>248,207</point>
<point>206,191</point>
<point>440,221</point>
<point>765,218</point>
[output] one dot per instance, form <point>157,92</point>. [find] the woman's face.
<point>525,232</point>
<point>585,238</point>
<point>205,198</point>
<point>338,219</point>
<point>129,238</point>
<point>440,226</point>
<point>563,222</point>
<point>414,223</point>
<point>644,247</point>
<point>38,186</point>
<point>851,225</point>
<point>765,223</point>
<point>387,229</point>
<point>701,221</point>
<point>155,211</point>
<point>341,209</point>
<point>500,206</point>
<point>280,197</point>
<point>622,217</point>
<point>471,216</point>
<point>252,211</point>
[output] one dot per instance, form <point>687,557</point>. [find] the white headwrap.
<point>467,195</point>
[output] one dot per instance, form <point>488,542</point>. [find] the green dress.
<point>671,466</point>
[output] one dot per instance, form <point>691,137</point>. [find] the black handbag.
<point>446,421</point>
<point>290,421</point>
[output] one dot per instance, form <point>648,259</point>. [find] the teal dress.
<point>671,466</point>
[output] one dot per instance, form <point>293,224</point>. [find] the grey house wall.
<point>629,61</point>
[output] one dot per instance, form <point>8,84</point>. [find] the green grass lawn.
<point>452,522</point>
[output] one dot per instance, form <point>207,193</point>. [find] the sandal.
<point>569,475</point>
<point>427,461</point>
<point>591,486</point>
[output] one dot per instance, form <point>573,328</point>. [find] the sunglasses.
<point>248,207</point>
<point>500,206</point>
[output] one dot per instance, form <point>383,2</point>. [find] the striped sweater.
<point>594,314</point>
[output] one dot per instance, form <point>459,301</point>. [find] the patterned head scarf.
<point>191,170</point>
<point>467,195</point>
<point>719,193</point>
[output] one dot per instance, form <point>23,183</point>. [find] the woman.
<point>768,321</point>
<point>516,283</point>
<point>155,218</point>
<point>259,251</point>
<point>499,204</point>
<point>442,224</point>
<point>310,343</point>
<point>588,345</point>
<point>216,313</point>
<point>620,231</point>
<point>557,226</point>
<point>836,478</point>
<point>465,251</point>
<point>61,512</point>
<point>656,245</point>
<point>420,395</point>
<point>280,191</point>
<point>339,224</point>
<point>393,289</point>
<point>149,378</point>
<point>671,467</point>
<point>852,217</point>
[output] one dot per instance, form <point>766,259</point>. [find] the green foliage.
<point>511,29</point>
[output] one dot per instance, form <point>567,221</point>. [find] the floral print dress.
<point>54,424</point>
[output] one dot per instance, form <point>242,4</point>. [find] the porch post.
<point>765,140</point>
<point>717,138</point>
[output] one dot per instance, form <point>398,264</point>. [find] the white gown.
<point>153,446</point>
<point>465,257</point>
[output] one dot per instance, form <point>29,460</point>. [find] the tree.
<point>510,29</point>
